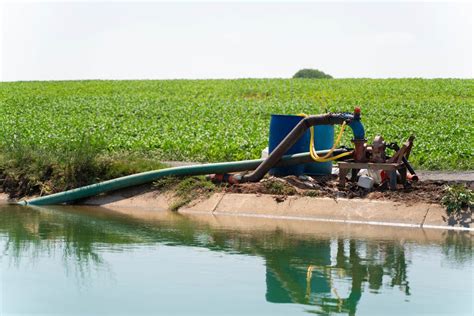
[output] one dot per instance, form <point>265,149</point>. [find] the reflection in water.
<point>329,274</point>
<point>303,273</point>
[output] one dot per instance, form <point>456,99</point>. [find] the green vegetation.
<point>457,198</point>
<point>185,189</point>
<point>312,193</point>
<point>311,74</point>
<point>87,131</point>
<point>275,186</point>
<point>33,170</point>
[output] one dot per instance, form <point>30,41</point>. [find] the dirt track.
<point>467,176</point>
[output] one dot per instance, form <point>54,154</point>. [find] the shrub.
<point>311,73</point>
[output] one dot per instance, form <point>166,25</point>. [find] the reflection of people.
<point>287,270</point>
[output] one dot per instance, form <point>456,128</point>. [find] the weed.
<point>28,169</point>
<point>185,189</point>
<point>457,198</point>
<point>166,183</point>
<point>278,187</point>
<point>311,193</point>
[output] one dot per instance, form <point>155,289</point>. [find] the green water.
<point>91,262</point>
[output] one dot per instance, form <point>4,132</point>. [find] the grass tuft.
<point>312,193</point>
<point>277,187</point>
<point>185,189</point>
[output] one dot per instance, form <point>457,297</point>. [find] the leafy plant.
<point>457,198</point>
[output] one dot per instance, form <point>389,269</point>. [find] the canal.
<point>90,261</point>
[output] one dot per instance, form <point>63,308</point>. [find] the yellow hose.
<point>326,157</point>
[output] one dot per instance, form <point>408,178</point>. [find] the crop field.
<point>224,120</point>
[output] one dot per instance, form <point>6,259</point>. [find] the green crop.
<point>223,120</point>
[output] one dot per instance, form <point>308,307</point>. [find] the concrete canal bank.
<point>290,208</point>
<point>238,208</point>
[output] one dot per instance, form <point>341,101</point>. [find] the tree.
<point>311,73</point>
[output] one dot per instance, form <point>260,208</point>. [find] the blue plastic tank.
<point>323,139</point>
<point>280,126</point>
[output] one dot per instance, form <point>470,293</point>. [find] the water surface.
<point>92,262</point>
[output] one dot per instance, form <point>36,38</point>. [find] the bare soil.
<point>429,191</point>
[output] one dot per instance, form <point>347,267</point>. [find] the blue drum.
<point>280,126</point>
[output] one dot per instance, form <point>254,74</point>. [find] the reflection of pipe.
<point>150,176</point>
<point>353,121</point>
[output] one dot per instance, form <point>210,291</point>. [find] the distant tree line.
<point>311,73</point>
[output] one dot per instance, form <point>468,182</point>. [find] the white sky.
<point>156,40</point>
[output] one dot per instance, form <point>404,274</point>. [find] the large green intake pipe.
<point>150,176</point>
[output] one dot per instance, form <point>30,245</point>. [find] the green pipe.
<point>150,176</point>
